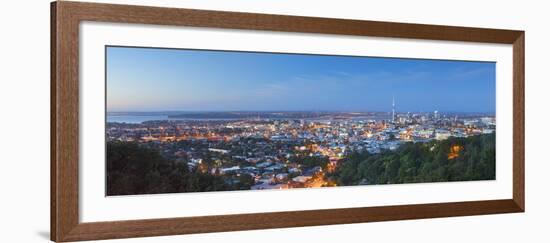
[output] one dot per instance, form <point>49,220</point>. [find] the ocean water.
<point>135,118</point>
<point>142,118</point>
<point>139,118</point>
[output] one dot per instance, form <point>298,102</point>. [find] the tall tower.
<point>393,109</point>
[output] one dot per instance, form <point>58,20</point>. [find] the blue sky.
<point>152,79</point>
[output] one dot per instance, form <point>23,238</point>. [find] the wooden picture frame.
<point>65,19</point>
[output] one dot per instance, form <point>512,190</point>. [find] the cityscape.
<point>193,150</point>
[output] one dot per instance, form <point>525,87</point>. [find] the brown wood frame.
<point>65,19</point>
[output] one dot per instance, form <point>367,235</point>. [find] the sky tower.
<point>393,109</point>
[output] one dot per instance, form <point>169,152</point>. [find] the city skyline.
<point>161,80</point>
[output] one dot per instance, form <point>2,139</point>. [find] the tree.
<point>137,169</point>
<point>423,162</point>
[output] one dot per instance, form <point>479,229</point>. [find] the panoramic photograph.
<point>185,120</point>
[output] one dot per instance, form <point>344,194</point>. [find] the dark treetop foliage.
<point>134,169</point>
<point>138,169</point>
<point>454,159</point>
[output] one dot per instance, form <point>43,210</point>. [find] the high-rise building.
<point>393,109</point>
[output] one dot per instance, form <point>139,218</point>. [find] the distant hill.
<point>261,115</point>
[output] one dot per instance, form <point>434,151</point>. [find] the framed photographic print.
<point>175,121</point>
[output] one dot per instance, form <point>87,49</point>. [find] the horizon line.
<point>251,111</point>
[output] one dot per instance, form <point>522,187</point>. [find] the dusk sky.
<point>148,79</point>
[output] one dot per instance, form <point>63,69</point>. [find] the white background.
<point>24,143</point>
<point>94,206</point>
